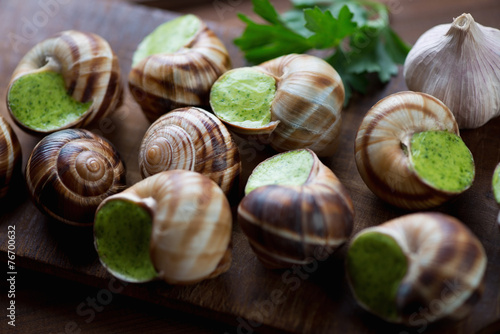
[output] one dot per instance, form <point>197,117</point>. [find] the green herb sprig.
<point>354,35</point>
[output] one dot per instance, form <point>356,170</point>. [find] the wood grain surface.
<point>311,299</point>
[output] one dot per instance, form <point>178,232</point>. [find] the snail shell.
<point>166,81</point>
<point>290,225</point>
<point>191,139</point>
<point>70,172</point>
<point>191,226</point>
<point>445,266</point>
<point>10,156</point>
<point>380,159</point>
<point>306,108</point>
<point>89,67</point>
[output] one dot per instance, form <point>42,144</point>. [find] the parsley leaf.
<point>357,34</point>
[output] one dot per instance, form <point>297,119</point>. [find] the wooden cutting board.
<point>302,300</point>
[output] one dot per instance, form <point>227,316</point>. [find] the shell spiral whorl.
<point>191,139</point>
<point>10,156</point>
<point>70,172</point>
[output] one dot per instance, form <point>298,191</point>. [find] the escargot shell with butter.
<point>191,139</point>
<point>422,262</point>
<point>176,65</point>
<point>10,156</point>
<point>69,80</point>
<point>70,172</point>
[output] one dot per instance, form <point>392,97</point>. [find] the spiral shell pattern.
<point>162,82</point>
<point>380,157</point>
<point>446,263</point>
<point>308,103</point>
<point>88,65</point>
<point>10,156</point>
<point>291,225</point>
<point>70,172</point>
<point>191,139</point>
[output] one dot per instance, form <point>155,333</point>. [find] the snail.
<point>10,156</point>
<point>295,99</point>
<point>174,226</point>
<point>459,63</point>
<point>67,81</point>
<point>421,266</point>
<point>193,139</point>
<point>295,210</point>
<point>176,65</point>
<point>409,153</point>
<point>70,172</point>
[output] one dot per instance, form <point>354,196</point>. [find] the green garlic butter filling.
<point>496,184</point>
<point>40,101</point>
<point>376,266</point>
<point>443,160</point>
<point>290,168</point>
<point>169,37</point>
<point>243,97</point>
<point>122,232</point>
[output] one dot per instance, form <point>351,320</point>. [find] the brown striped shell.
<point>293,225</point>
<point>306,109</point>
<point>191,139</point>
<point>166,81</point>
<point>89,67</point>
<point>379,150</point>
<point>191,225</point>
<point>446,264</point>
<point>70,172</point>
<point>10,156</point>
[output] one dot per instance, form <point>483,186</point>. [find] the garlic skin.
<point>192,139</point>
<point>10,156</point>
<point>459,63</point>
<point>70,172</point>
<point>288,225</point>
<point>90,69</point>
<point>191,226</point>
<point>380,156</point>
<point>166,81</point>
<point>445,266</point>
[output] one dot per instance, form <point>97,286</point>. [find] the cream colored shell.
<point>382,138</point>
<point>10,157</point>
<point>446,266</point>
<point>191,139</point>
<point>89,67</point>
<point>70,172</point>
<point>162,82</point>
<point>459,63</point>
<point>192,224</point>
<point>292,225</point>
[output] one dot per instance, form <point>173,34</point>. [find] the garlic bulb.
<point>409,153</point>
<point>70,172</point>
<point>297,99</point>
<point>295,208</point>
<point>176,65</point>
<point>191,139</point>
<point>174,225</point>
<point>10,156</point>
<point>69,80</point>
<point>419,266</point>
<point>459,64</point>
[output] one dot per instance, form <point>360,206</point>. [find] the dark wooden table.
<point>61,289</point>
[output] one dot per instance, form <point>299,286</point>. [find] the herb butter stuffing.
<point>243,97</point>
<point>496,184</point>
<point>40,101</point>
<point>290,168</point>
<point>122,232</point>
<point>169,37</point>
<point>443,160</point>
<point>376,267</point>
